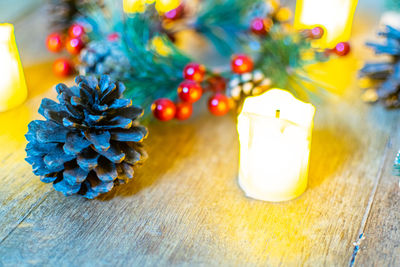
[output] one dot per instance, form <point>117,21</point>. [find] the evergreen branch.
<point>281,58</point>
<point>151,75</point>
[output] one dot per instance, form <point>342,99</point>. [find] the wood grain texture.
<point>185,208</point>
<point>380,244</point>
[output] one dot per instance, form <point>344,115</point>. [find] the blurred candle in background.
<point>13,89</point>
<point>275,134</point>
<point>162,6</point>
<point>335,16</point>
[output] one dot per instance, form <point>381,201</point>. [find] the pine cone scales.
<point>385,75</point>
<point>89,141</point>
<point>105,57</point>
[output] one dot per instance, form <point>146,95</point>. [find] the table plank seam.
<point>31,209</point>
<point>361,236</point>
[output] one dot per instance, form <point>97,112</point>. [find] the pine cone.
<point>241,86</point>
<point>105,57</point>
<point>247,84</point>
<point>387,74</point>
<point>89,141</point>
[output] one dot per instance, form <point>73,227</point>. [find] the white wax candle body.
<point>275,136</point>
<point>13,89</point>
<point>277,169</point>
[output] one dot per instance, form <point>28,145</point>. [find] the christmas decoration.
<point>274,132</point>
<point>62,67</point>
<point>183,111</point>
<point>162,6</point>
<point>76,31</point>
<point>241,64</point>
<point>310,13</point>
<point>194,72</point>
<point>163,109</point>
<point>218,104</point>
<point>136,49</point>
<point>189,91</point>
<point>261,26</point>
<point>13,90</point>
<point>216,83</point>
<point>90,140</point>
<point>54,42</point>
<point>74,45</point>
<point>386,75</point>
<point>342,49</point>
<point>316,33</point>
<point>248,84</point>
<point>105,57</point>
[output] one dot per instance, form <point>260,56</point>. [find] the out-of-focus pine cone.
<point>90,140</point>
<point>105,57</point>
<point>386,75</point>
<point>247,84</point>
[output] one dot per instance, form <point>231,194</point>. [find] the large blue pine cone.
<point>90,140</point>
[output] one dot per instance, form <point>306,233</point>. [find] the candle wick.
<point>277,113</point>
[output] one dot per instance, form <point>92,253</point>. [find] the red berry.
<point>112,37</point>
<point>54,42</point>
<point>317,32</point>
<point>342,48</point>
<point>189,91</point>
<point>62,67</point>
<point>260,26</point>
<point>76,31</point>
<point>163,109</point>
<point>183,111</point>
<point>194,72</point>
<point>241,64</point>
<point>174,13</point>
<point>74,45</point>
<point>217,83</point>
<point>218,104</point>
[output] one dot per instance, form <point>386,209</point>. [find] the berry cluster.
<point>190,91</point>
<point>193,88</point>
<point>73,42</point>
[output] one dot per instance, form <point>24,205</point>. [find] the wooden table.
<point>184,206</point>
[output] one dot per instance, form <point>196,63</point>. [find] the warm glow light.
<point>13,89</point>
<point>162,6</point>
<point>275,135</point>
<point>335,16</point>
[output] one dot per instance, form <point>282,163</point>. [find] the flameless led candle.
<point>162,6</point>
<point>335,16</point>
<point>13,89</point>
<point>275,134</point>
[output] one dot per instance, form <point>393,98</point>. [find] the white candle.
<point>275,134</point>
<point>13,89</point>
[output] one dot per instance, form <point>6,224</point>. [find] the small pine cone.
<point>105,57</point>
<point>89,141</point>
<point>247,84</point>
